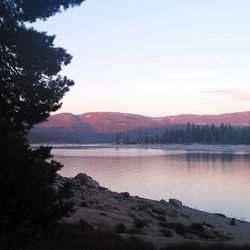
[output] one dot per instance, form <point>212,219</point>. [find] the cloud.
<point>221,92</point>
<point>188,75</point>
<point>238,95</point>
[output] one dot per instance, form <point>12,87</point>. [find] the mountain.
<point>235,119</point>
<point>104,126</point>
<point>104,122</point>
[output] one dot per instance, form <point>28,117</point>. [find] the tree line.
<point>191,133</point>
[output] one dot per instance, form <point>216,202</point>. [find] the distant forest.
<point>191,133</point>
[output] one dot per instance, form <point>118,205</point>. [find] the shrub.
<point>159,211</point>
<point>161,218</point>
<point>120,228</point>
<point>134,230</point>
<point>197,227</point>
<point>166,232</point>
<point>140,223</point>
<point>179,228</point>
<point>85,225</point>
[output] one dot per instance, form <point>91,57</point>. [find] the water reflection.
<point>213,182</point>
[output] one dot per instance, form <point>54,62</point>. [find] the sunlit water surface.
<point>210,182</point>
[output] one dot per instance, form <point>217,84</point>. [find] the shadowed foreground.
<point>76,237</point>
<point>108,220</point>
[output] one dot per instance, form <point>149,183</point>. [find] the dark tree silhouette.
<point>205,134</point>
<point>30,88</point>
<point>223,134</point>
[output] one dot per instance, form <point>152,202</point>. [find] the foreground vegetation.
<point>31,86</point>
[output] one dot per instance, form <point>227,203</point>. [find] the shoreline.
<point>178,148</point>
<point>158,222</point>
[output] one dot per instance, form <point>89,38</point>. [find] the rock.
<point>102,188</point>
<point>126,194</point>
<point>221,215</point>
<point>84,180</point>
<point>162,201</point>
<point>175,203</point>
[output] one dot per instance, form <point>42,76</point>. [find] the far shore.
<point>179,148</point>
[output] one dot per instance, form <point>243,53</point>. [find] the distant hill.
<point>105,126</point>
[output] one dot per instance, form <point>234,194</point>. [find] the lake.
<point>206,181</point>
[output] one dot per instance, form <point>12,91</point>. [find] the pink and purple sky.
<point>156,58</point>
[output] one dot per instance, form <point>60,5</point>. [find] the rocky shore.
<point>158,222</point>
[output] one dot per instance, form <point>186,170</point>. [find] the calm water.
<point>215,183</point>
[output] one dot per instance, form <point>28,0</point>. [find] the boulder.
<point>126,194</point>
<point>84,180</point>
<point>175,203</point>
<point>162,201</point>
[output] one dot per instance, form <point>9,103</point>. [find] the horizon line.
<point>118,112</point>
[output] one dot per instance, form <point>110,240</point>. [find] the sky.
<point>156,58</point>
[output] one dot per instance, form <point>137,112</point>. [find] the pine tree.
<point>30,88</point>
